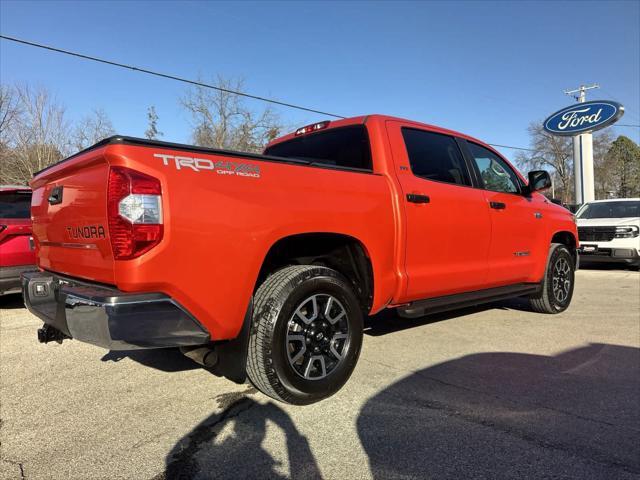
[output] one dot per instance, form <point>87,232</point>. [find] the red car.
<point>17,253</point>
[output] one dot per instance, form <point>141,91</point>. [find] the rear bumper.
<point>108,317</point>
<point>10,278</point>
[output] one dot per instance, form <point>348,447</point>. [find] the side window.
<point>496,175</point>
<point>435,157</point>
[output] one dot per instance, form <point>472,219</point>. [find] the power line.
<point>516,148</point>
<point>626,110</point>
<point>165,75</point>
<point>541,152</point>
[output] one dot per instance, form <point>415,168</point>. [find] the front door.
<point>515,222</point>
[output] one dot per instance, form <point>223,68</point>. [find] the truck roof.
<point>363,119</point>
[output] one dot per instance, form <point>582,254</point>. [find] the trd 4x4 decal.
<point>220,167</point>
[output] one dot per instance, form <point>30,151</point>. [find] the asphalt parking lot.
<point>491,392</point>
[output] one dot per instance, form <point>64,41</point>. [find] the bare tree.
<point>604,178</point>
<point>91,129</point>
<point>553,153</point>
<point>9,112</point>
<point>36,136</point>
<point>152,131</point>
<point>221,120</point>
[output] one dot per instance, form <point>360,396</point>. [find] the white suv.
<point>608,231</point>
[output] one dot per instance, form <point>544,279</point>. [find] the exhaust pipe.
<point>205,356</point>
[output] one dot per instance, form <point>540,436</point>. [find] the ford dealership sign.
<point>584,117</point>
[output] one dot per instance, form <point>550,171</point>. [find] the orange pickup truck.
<point>264,266</point>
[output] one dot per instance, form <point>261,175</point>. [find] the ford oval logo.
<point>584,117</point>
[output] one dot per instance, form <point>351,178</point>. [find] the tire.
<point>302,313</point>
<point>559,279</point>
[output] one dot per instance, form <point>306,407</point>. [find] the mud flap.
<point>232,355</point>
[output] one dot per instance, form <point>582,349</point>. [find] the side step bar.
<point>427,306</point>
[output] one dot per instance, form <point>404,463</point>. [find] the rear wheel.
<point>557,286</point>
<point>306,334</point>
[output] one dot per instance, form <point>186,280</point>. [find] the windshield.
<point>15,205</point>
<point>610,210</point>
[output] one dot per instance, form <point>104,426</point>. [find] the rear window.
<point>341,147</point>
<point>15,205</point>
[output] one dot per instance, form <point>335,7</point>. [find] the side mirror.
<point>539,180</point>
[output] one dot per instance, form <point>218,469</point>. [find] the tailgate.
<point>69,211</point>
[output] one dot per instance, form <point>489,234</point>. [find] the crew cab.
<point>263,266</point>
<point>17,254</point>
<point>609,231</point>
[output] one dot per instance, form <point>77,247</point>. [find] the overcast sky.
<point>486,69</point>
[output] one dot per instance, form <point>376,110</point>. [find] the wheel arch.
<point>341,252</point>
<point>568,239</point>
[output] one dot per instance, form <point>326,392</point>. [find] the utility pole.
<point>581,91</point>
<point>583,153</point>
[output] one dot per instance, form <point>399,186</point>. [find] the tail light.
<point>134,208</point>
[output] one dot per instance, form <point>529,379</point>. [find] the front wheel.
<point>306,334</point>
<point>557,286</point>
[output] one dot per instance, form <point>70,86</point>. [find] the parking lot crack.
<point>511,400</point>
<point>589,456</point>
<point>527,404</point>
<point>20,465</point>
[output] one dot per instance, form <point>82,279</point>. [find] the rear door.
<point>515,220</point>
<point>448,227</point>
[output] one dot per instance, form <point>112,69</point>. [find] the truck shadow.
<point>388,321</point>
<point>163,359</point>
<point>11,301</point>
<point>587,265</point>
<point>510,415</point>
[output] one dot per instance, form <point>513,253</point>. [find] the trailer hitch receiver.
<point>48,334</point>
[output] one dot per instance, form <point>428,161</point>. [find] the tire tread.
<point>541,302</point>
<point>276,285</point>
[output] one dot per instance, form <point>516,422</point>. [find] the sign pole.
<point>583,168</point>
<point>583,155</point>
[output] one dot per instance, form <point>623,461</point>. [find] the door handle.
<point>417,198</point>
<point>497,205</point>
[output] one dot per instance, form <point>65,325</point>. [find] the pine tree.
<point>624,161</point>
